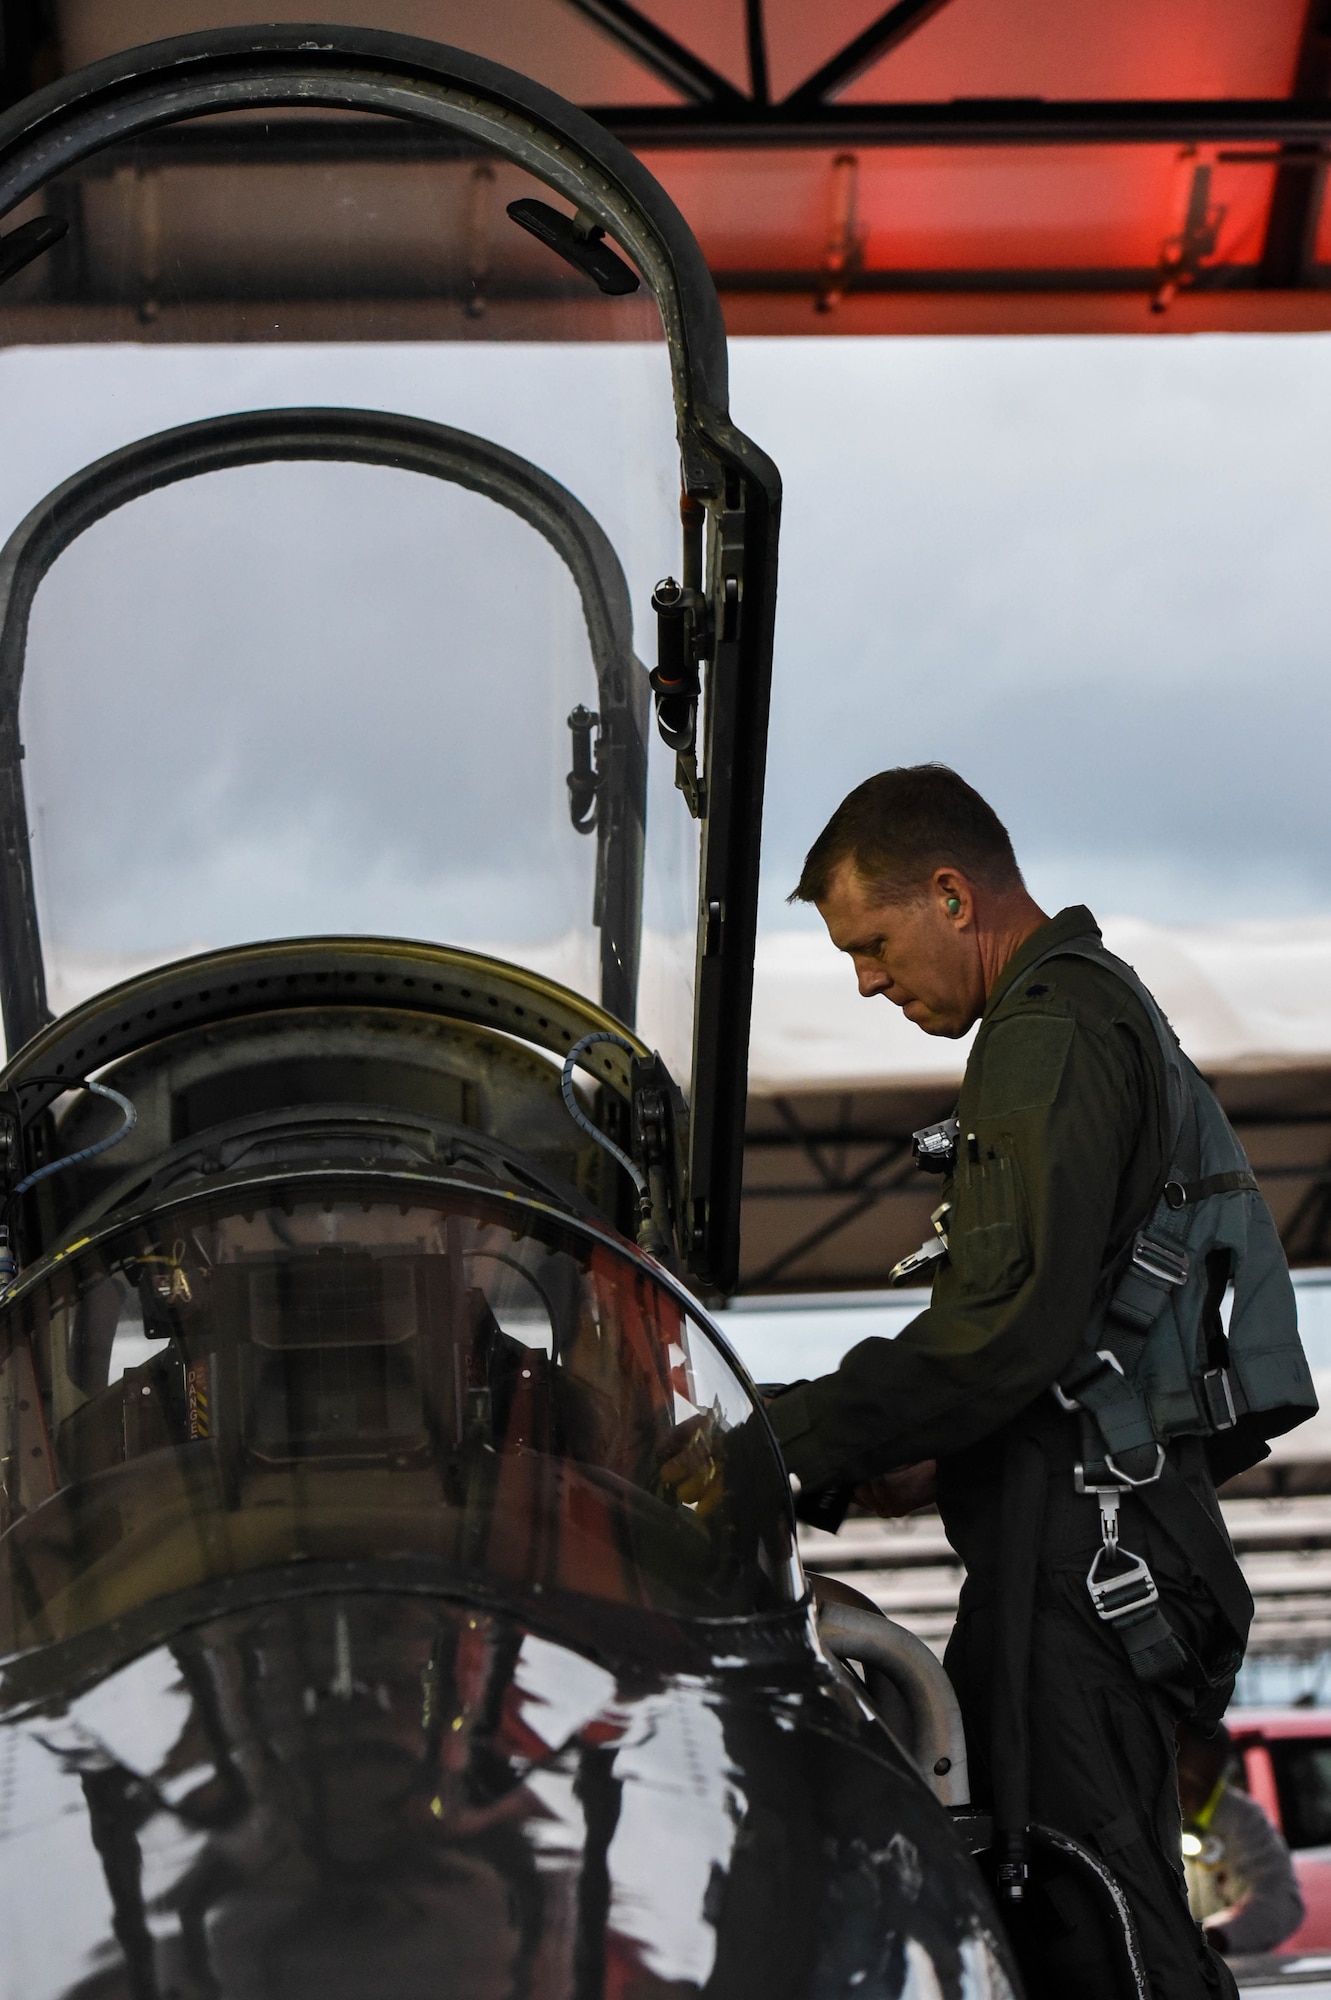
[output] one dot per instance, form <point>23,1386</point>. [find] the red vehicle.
<point>1287,1769</point>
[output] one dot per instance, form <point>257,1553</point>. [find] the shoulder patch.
<point>1023,1060</point>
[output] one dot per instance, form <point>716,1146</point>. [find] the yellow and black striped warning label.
<point>198,1390</point>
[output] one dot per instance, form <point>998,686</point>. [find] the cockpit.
<point>373,1368</point>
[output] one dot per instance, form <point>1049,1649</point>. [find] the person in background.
<point>1241,1882</point>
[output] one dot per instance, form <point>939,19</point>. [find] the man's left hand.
<point>689,1464</point>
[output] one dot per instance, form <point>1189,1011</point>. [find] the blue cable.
<point>131,1119</point>
<point>579,1116</point>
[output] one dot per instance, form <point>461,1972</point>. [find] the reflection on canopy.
<point>381,1371</point>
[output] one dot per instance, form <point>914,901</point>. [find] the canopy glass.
<point>336,698</point>
<point>318,699</point>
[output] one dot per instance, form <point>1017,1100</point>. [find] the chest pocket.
<point>989,1236</point>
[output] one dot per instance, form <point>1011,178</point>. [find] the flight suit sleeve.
<point>1053,1104</point>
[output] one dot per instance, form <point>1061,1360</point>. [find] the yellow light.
<point>437,1807</point>
<point>1192,1846</point>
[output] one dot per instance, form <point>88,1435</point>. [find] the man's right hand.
<point>894,1494</point>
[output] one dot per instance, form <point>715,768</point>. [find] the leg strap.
<point>1124,1592</point>
<point>1125,1596</point>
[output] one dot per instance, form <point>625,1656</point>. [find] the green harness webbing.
<point>1120,1448</point>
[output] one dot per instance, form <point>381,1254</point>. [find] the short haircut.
<point>901,825</point>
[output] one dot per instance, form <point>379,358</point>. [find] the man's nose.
<point>871,976</point>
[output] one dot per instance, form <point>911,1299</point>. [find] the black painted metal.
<point>309,972</point>
<point>1296,198</point>
<point>27,31</point>
<point>1017,121</point>
<point>649,44</point>
<point>367,437</point>
<point>481,104</point>
<point>745,123</point>
<point>357,1786</point>
<point>902,20</point>
<point>401,77</point>
<point>755,35</point>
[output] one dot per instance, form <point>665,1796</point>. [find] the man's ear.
<point>954,896</point>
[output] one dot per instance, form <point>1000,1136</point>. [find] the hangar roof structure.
<point>831,1197</point>
<point>929,166</point>
<point>924,167</point>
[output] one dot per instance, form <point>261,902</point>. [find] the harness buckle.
<point>1218,1398</point>
<point>1126,1477</point>
<point>1123,1481</point>
<point>1066,1402</point>
<point>1127,1590</point>
<point>1164,1262</point>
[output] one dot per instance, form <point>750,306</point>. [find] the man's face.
<point>915,952</point>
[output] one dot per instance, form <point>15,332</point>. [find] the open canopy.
<point>924,165</point>
<point>343,674</point>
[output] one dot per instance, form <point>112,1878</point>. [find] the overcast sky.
<point>1090,574</point>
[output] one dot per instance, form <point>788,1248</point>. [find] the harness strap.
<point>1199,1537</point>
<point>1155,1651</point>
<point>1178,1194</point>
<point>1159,1259</point>
<point>1122,1416</point>
<point>1122,1588</point>
<point>1124,1592</point>
<point>1102,1377</point>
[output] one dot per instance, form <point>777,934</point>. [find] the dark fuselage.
<point>344,1790</point>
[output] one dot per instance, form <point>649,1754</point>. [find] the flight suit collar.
<point>1074,922</point>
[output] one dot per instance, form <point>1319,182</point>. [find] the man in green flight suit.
<point>1063,1148</point>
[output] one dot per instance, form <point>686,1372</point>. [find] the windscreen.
<point>297,698</point>
<point>374,1373</point>
<point>312,698</point>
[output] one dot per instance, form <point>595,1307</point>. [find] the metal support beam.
<point>888,32</point>
<point>658,51</point>
<point>832,1227</point>
<point>863,1189</point>
<point>756,33</point>
<point>1017,121</point>
<point>1275,122</point>
<point>27,43</point>
<point>1300,182</point>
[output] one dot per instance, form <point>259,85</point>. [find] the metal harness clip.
<point>1218,1397</point>
<point>1131,1589</point>
<point>1164,1262</point>
<point>928,1254</point>
<point>1127,1590</point>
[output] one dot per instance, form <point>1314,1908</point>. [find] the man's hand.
<point>894,1494</point>
<point>689,1464</point>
